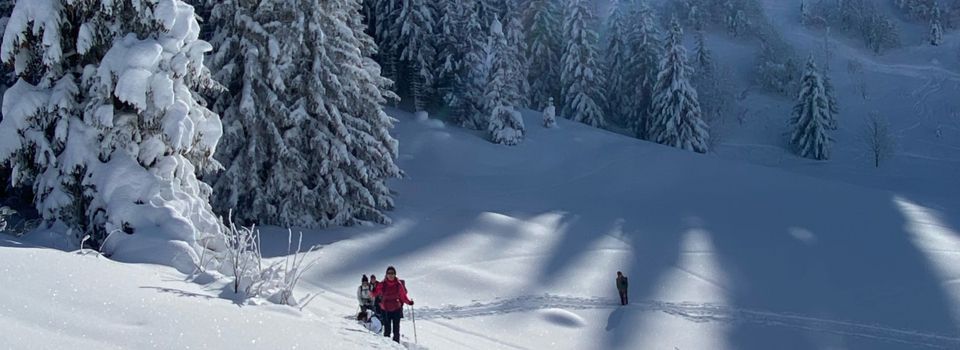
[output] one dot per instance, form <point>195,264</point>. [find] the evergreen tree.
<point>936,32</point>
<point>543,38</point>
<point>644,61</point>
<point>580,79</point>
<point>675,117</point>
<point>341,154</point>
<point>811,117</point>
<point>416,47</point>
<point>516,56</point>
<point>385,24</point>
<point>490,10</point>
<point>617,55</point>
<point>703,59</point>
<point>505,123</point>
<point>103,124</point>
<point>463,64</point>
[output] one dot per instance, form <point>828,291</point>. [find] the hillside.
<point>518,247</point>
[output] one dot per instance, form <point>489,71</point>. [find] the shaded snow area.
<point>518,247</point>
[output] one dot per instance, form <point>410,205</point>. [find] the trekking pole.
<point>413,316</point>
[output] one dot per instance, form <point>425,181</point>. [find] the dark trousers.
<point>623,297</point>
<point>391,322</point>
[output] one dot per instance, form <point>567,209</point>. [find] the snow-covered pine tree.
<point>416,46</point>
<point>339,153</point>
<point>936,32</point>
<point>449,55</point>
<point>492,9</point>
<point>385,26</point>
<point>543,28</point>
<point>713,95</point>
<point>736,21</point>
<point>644,61</point>
<point>516,57</point>
<point>703,59</point>
<point>618,86</point>
<point>580,78</point>
<point>811,117</point>
<point>697,14</point>
<point>550,115</point>
<point>254,52</point>
<point>6,80</point>
<point>103,124</point>
<point>463,64</point>
<point>675,114</point>
<point>505,125</point>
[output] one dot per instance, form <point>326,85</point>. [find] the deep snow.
<point>517,247</point>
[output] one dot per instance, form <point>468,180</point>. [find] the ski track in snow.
<point>695,312</point>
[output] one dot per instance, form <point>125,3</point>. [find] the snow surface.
<point>518,248</point>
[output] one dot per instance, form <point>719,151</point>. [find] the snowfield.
<point>517,248</point>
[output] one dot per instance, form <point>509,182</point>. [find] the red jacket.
<point>392,295</point>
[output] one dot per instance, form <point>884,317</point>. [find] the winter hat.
<point>364,279</point>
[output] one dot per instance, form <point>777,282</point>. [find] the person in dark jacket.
<point>393,295</point>
<point>376,300</point>
<point>622,288</point>
<point>363,294</point>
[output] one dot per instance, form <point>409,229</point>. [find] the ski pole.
<point>413,316</point>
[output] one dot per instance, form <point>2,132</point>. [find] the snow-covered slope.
<point>916,88</point>
<point>50,299</point>
<point>517,248</point>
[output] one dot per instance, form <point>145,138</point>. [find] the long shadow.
<point>655,252</point>
<point>829,252</point>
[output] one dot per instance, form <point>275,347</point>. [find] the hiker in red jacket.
<point>393,295</point>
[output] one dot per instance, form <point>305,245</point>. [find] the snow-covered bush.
<point>855,17</point>
<point>252,279</point>
<point>550,115</point>
<point>276,282</point>
<point>104,126</point>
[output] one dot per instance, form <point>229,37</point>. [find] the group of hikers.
<point>381,303</point>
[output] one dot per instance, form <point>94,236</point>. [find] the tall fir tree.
<point>384,27</point>
<point>543,28</point>
<point>516,55</point>
<point>676,119</point>
<point>644,61</point>
<point>104,126</point>
<point>580,79</point>
<point>464,69</point>
<point>316,142</point>
<point>339,154</point>
<point>505,123</point>
<point>416,48</point>
<point>617,55</point>
<point>936,32</point>
<point>811,117</point>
